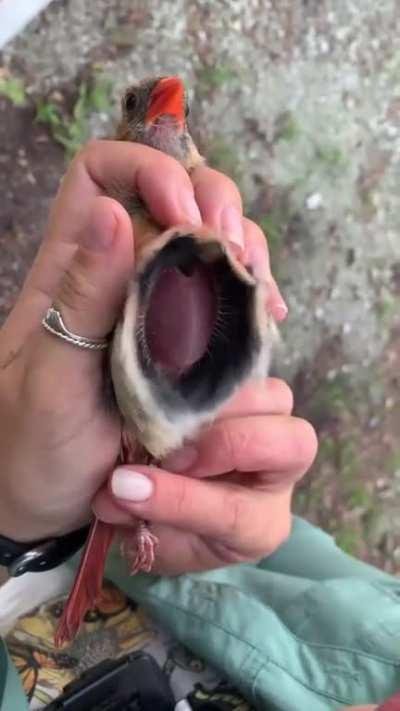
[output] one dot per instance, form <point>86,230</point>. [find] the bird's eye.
<point>187,110</point>
<point>130,101</point>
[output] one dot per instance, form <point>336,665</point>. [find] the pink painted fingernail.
<point>181,460</point>
<point>190,208</point>
<point>130,485</point>
<point>280,311</point>
<point>232,227</point>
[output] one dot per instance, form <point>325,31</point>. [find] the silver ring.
<point>54,323</point>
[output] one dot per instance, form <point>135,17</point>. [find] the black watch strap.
<point>39,556</point>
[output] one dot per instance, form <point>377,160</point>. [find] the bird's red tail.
<point>88,582</point>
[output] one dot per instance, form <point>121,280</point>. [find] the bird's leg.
<point>137,548</point>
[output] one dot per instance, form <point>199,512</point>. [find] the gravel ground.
<point>299,101</point>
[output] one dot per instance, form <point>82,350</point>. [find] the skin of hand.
<point>59,440</point>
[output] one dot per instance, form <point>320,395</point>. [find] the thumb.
<point>88,295</point>
<point>94,284</point>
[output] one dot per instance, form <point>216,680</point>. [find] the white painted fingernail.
<point>131,486</point>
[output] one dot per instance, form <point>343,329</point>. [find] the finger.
<point>108,167</point>
<point>89,299</point>
<point>276,305</point>
<point>90,281</point>
<point>271,396</point>
<point>93,287</point>
<point>231,514</point>
<point>220,205</point>
<point>283,445</point>
<point>257,257</point>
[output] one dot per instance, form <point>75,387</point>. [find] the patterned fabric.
<point>115,627</point>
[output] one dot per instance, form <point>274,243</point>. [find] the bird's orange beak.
<point>167,98</point>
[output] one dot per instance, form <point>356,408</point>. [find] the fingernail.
<point>131,486</point>
<point>181,460</point>
<point>232,227</point>
<point>190,207</point>
<point>281,311</point>
<point>99,235</point>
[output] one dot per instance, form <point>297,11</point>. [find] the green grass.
<point>348,539</point>
<point>332,399</point>
<point>72,129</point>
<point>223,157</point>
<point>393,464</point>
<point>287,128</point>
<point>210,78</point>
<point>13,89</point>
<point>387,309</point>
<point>274,224</point>
<point>331,155</point>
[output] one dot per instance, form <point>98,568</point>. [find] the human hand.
<point>233,503</point>
<point>58,439</point>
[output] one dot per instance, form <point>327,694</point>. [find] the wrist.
<point>40,556</point>
<point>24,526</point>
<point>27,515</point>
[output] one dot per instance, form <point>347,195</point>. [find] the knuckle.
<point>180,500</point>
<point>233,442</point>
<point>90,148</point>
<point>76,292</point>
<point>88,155</point>
<point>238,515</point>
<point>221,182</point>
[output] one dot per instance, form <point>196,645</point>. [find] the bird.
<point>193,329</point>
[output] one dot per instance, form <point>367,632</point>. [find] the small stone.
<point>324,46</point>
<point>314,201</point>
<point>389,403</point>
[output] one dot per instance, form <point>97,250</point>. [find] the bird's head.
<point>155,113</point>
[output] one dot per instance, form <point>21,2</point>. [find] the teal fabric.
<point>307,629</point>
<point>12,697</point>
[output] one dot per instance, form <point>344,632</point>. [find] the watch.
<point>41,555</point>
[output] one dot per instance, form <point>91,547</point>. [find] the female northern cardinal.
<point>192,330</point>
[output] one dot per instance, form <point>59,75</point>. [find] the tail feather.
<point>88,582</point>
